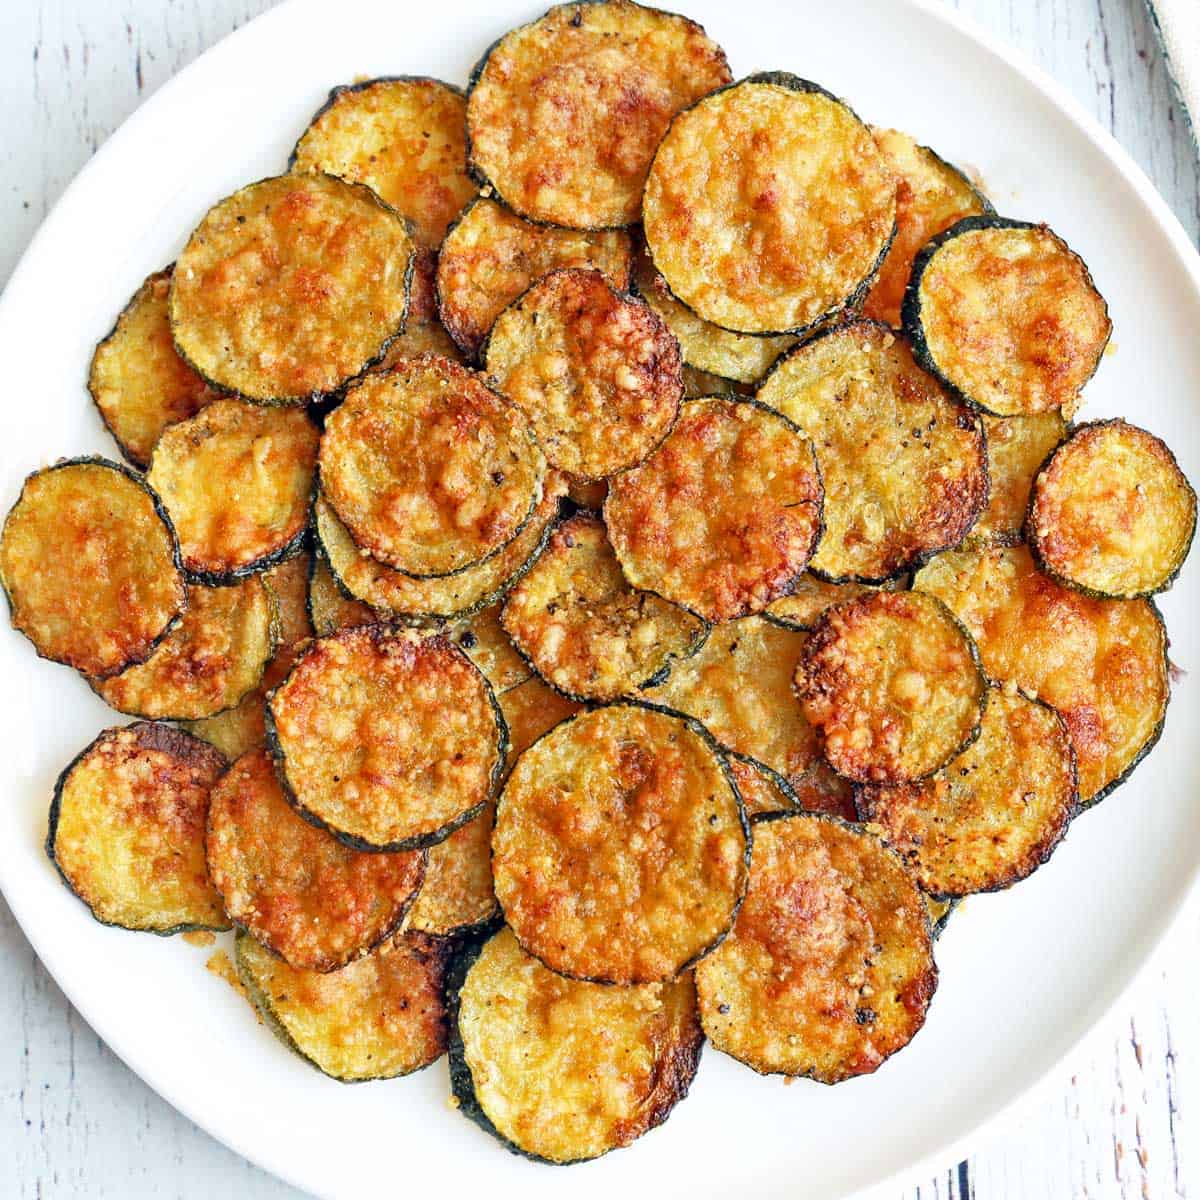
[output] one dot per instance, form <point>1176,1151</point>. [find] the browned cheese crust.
<point>127,829</point>
<point>1017,447</point>
<point>893,683</point>
<point>1101,663</point>
<point>768,206</point>
<point>725,515</point>
<point>488,646</point>
<point>89,564</point>
<point>429,470</point>
<point>995,814</point>
<point>138,381</point>
<point>313,901</point>
<point>762,791</point>
<point>531,709</point>
<point>802,607</point>
<point>490,256</point>
<point>329,609</point>
<point>389,737</point>
<point>457,893</point>
<point>423,331</point>
<point>619,849</point>
<point>597,374</point>
<point>829,969</point>
<point>822,790</point>
<point>564,113</point>
<point>587,493</point>
<point>904,464</point>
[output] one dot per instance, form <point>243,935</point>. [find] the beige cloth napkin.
<point>1178,25</point>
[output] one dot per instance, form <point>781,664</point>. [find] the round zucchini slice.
<point>389,738</point>
<point>621,847</point>
<point>822,790</point>
<point>561,1070</point>
<point>597,373</point>
<point>314,902</point>
<point>904,464</point>
<point>377,1018</point>
<point>90,566</point>
<point>1101,663</point>
<point>1016,448</point>
<point>1111,513</point>
<point>328,609</point>
<point>995,814</point>
<point>777,239</point>
<point>893,682</point>
<point>429,470</point>
<point>491,256</point>
<point>583,627</point>
<point>761,790</point>
<point>138,382</point>
<point>930,196</point>
<point>127,829</point>
<point>564,113</point>
<point>457,896</point>
<point>236,479</point>
<point>803,606</point>
<point>405,138</point>
<point>831,985</point>
<point>1006,314</point>
<point>705,525</point>
<point>290,287</point>
<point>738,685</point>
<point>423,332</point>
<point>486,643</point>
<point>212,659</point>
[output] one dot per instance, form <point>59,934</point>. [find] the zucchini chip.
<point>620,848</point>
<point>1101,663</point>
<point>585,630</point>
<point>236,479</point>
<point>290,287</point>
<point>531,709</point>
<point>705,525</point>
<point>995,814</point>
<point>312,901</point>
<point>893,682</point>
<point>561,1070</point>
<point>90,566</point>
<point>738,685</point>
<point>138,382</point>
<point>429,470</point>
<point>1016,448</point>
<point>1006,314</point>
<point>761,790</point>
<point>707,348</point>
<point>423,332</point>
<point>564,113</point>
<point>802,607</point>
<point>768,206</point>
<point>904,464</point>
<point>390,738</point>
<point>822,790</point>
<point>377,1018</point>
<point>930,196</point>
<point>598,374</point>
<point>489,647</point>
<point>212,659</point>
<point>127,829</point>
<point>405,138</point>
<point>457,896</point>
<point>328,609</point>
<point>1111,512</point>
<point>491,256</point>
<point>829,969</point>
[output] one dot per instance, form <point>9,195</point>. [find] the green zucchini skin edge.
<point>334,394</point>
<point>52,834</point>
<point>420,841</point>
<point>721,755</point>
<point>910,308</point>
<point>938,927</point>
<point>916,563</point>
<point>832,315</point>
<point>96,460</point>
<point>1095,593</point>
<point>293,548</point>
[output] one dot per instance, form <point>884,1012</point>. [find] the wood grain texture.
<point>74,1122</point>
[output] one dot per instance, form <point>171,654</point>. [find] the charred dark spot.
<point>468,641</point>
<point>723,1009</point>
<point>864,1016</point>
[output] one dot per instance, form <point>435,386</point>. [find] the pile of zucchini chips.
<point>606,561</point>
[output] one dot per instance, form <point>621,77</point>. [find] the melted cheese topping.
<point>457,893</point>
<point>531,709</point>
<point>1017,447</point>
<point>761,791</point>
<point>823,790</point>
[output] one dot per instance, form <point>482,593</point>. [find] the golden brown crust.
<point>1017,447</point>
<point>429,470</point>
<point>564,113</point>
<point>457,893</point>
<point>904,464</point>
<point>490,256</point>
<point>330,610</point>
<point>487,645</point>
<point>822,790</point>
<point>802,607</point>
<point>423,331</point>
<point>531,709</point>
<point>768,206</point>
<point>89,564</point>
<point>587,493</point>
<point>761,790</point>
<point>829,969</point>
<point>703,524</point>
<point>1101,663</point>
<point>893,683</point>
<point>597,374</point>
<point>236,730</point>
<point>290,286</point>
<point>619,849</point>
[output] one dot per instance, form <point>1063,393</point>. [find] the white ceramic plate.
<point>1024,975</point>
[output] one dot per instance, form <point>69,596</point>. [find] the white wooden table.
<point>1122,1121</point>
